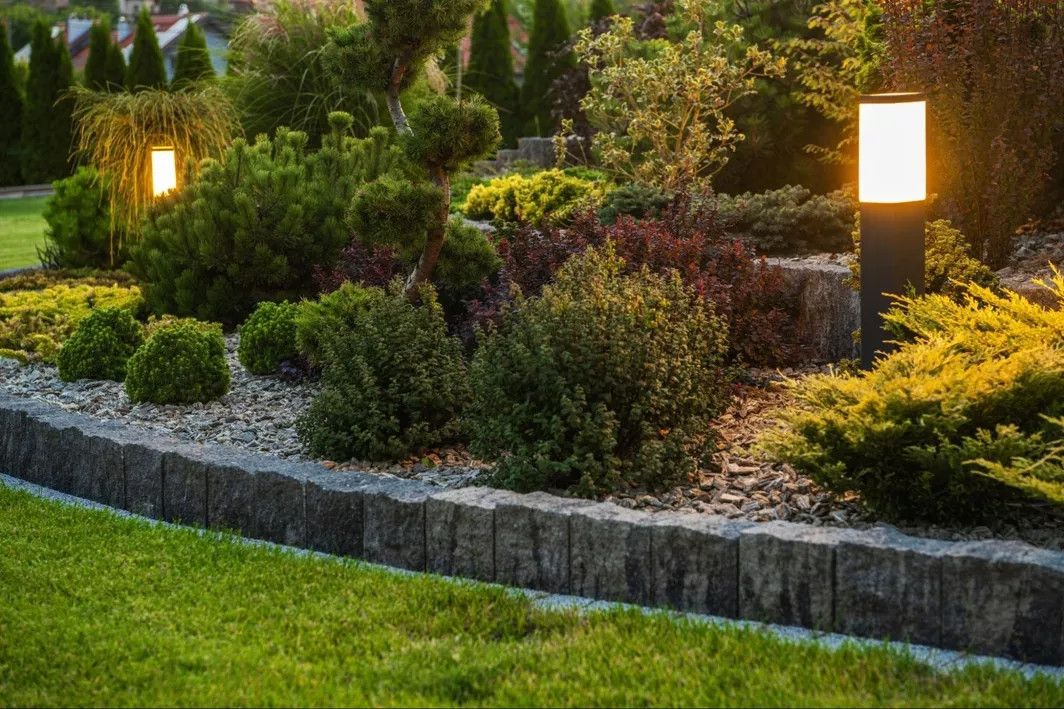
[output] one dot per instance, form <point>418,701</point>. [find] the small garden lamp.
<point>163,170</point>
<point>892,186</point>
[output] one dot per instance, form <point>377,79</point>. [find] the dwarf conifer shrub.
<point>101,346</point>
<point>950,427</point>
<point>180,364</point>
<point>79,223</point>
<point>791,219</point>
<point>268,337</point>
<point>393,382</point>
<point>633,200</point>
<point>441,135</point>
<point>317,321</point>
<point>607,378</point>
<point>548,196</point>
<point>254,226</point>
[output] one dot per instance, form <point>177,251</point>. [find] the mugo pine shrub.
<point>945,428</point>
<point>605,379</point>
<point>791,219</point>
<point>180,364</point>
<point>101,346</point>
<point>268,337</point>
<point>393,382</point>
<point>253,226</point>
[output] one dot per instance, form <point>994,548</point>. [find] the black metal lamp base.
<point>892,259</point>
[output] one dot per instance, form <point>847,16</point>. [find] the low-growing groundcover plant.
<point>41,311</point>
<point>181,363</point>
<point>101,346</point>
<point>550,195</point>
<point>393,380</point>
<point>607,378</point>
<point>953,425</point>
<point>216,622</point>
<point>268,337</point>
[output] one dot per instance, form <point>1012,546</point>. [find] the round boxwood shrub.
<point>393,382</point>
<point>606,378</point>
<point>268,337</point>
<point>101,346</point>
<point>179,364</point>
<point>336,312</point>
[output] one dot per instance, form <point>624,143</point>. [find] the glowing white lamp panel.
<point>163,170</point>
<point>893,150</point>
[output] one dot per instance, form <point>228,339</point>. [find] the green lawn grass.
<point>21,231</point>
<point>98,610</point>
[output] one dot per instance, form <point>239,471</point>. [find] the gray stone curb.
<point>993,598</point>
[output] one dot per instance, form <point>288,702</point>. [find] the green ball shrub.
<point>393,382</point>
<point>634,200</point>
<point>180,364</point>
<point>791,219</point>
<point>79,224</point>
<point>605,379</point>
<point>101,346</point>
<point>268,337</point>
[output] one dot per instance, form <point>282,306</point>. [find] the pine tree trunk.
<point>431,253</point>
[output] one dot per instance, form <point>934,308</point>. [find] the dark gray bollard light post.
<point>892,186</point>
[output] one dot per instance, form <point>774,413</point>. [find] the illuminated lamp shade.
<point>892,163</point>
<point>163,170</point>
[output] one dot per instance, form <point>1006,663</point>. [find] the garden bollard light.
<point>163,171</point>
<point>892,185</point>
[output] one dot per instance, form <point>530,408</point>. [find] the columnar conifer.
<point>491,68</point>
<point>147,69</point>
<point>601,9</point>
<point>10,115</point>
<point>99,47</point>
<point>548,59</point>
<point>193,64</point>
<point>116,69</point>
<point>46,119</point>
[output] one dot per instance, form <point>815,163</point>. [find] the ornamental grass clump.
<point>605,380</point>
<point>393,380</point>
<point>101,346</point>
<point>182,363</point>
<point>268,337</point>
<point>946,428</point>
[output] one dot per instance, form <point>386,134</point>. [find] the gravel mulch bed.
<point>259,415</point>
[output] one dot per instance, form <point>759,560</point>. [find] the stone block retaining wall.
<point>995,598</point>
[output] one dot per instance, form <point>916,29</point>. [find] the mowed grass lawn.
<point>21,231</point>
<point>99,610</point>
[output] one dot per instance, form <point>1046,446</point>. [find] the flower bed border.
<point>992,597</point>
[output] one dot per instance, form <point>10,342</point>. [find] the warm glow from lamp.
<point>893,148</point>
<point>163,170</point>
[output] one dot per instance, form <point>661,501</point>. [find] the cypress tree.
<point>10,115</point>
<point>491,68</point>
<point>115,69</point>
<point>193,64</point>
<point>46,119</point>
<point>600,10</point>
<point>146,66</point>
<point>99,47</point>
<point>548,59</point>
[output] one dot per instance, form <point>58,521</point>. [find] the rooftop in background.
<point>168,28</point>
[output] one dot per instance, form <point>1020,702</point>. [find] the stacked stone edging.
<point>994,598</point>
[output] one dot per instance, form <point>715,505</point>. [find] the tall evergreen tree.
<point>548,58</point>
<point>10,115</point>
<point>46,119</point>
<point>193,64</point>
<point>99,46</point>
<point>146,66</point>
<point>491,68</point>
<point>600,10</point>
<point>115,69</point>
